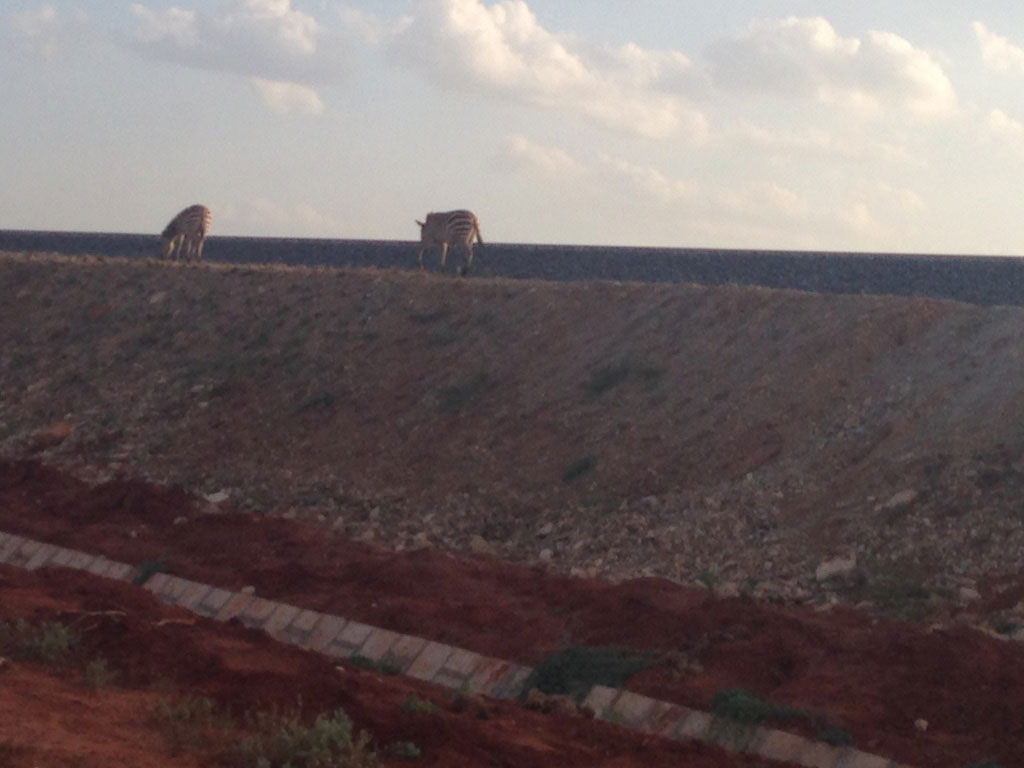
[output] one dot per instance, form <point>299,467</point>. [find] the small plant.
<point>418,705</point>
<point>1003,625</point>
<point>608,377</point>
<point>47,642</point>
<point>747,708</point>
<point>455,397</point>
<point>426,318</point>
<point>832,735</point>
<point>186,722</point>
<point>147,569</point>
<point>318,401</point>
<point>443,336</point>
<point>281,740</point>
<point>744,706</point>
<point>388,664</point>
<point>405,750</point>
<point>98,674</point>
<point>577,468</point>
<point>574,671</point>
<point>708,578</point>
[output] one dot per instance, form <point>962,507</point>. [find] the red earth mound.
<point>49,717</point>
<point>870,678</point>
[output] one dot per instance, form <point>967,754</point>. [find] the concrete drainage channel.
<point>443,665</point>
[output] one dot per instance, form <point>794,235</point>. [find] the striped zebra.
<point>183,237</point>
<point>454,227</point>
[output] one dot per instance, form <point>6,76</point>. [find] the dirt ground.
<point>515,467</point>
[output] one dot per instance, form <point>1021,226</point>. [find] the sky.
<point>807,125</point>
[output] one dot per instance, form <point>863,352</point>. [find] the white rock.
<point>968,595</point>
<point>479,546</point>
<point>727,589</point>
<point>921,724</point>
<point>217,497</point>
<point>248,590</point>
<point>902,499</point>
<point>839,568</point>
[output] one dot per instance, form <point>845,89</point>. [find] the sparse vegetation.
<point>427,318</point>
<point>577,468</point>
<point>1004,625</point>
<point>747,708</point>
<point>607,377</point>
<point>388,664</point>
<point>455,397</point>
<point>575,670</point>
<point>744,706</point>
<point>48,641</point>
<point>281,740</point>
<point>270,739</point>
<point>443,336</point>
<point>897,596</point>
<point>187,721</point>
<point>319,401</point>
<point>98,674</point>
<point>405,750</point>
<point>418,705</point>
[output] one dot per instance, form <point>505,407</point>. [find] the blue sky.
<point>822,125</point>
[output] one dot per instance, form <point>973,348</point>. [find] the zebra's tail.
<point>476,229</point>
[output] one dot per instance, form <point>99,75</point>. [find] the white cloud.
<point>503,50</point>
<point>268,218</point>
<point>603,172</point>
<point>287,51</point>
<point>998,53</point>
<point>641,182</point>
<point>800,144</point>
<point>370,27</point>
<point>289,97</point>
<point>519,152</point>
<point>806,57</point>
<point>45,32</point>
<point>1004,131</point>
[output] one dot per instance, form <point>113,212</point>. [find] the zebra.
<point>183,237</point>
<point>455,227</point>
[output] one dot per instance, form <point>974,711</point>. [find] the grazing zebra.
<point>455,227</point>
<point>184,236</point>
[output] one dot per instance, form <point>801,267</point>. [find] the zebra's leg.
<point>469,257</point>
<point>419,256</point>
<point>444,253</point>
<point>199,249</point>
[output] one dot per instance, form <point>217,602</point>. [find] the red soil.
<point>871,678</point>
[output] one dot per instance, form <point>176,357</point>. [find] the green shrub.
<point>388,664</point>
<point>574,671</point>
<point>455,397</point>
<point>578,468</point>
<point>405,750</point>
<point>418,705</point>
<point>98,674</point>
<point>608,377</point>
<point>187,721</point>
<point>744,706</point>
<point>48,641</point>
<point>281,740</point>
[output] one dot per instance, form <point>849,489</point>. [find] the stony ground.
<point>793,447</point>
